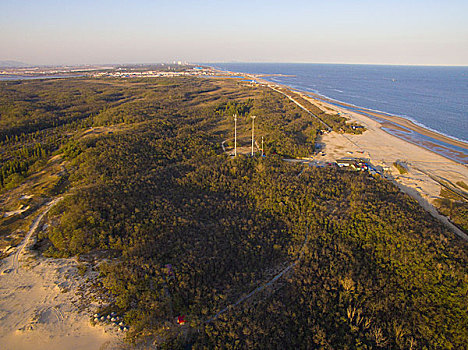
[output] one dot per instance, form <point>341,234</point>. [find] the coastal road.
<point>444,183</point>
<point>431,209</point>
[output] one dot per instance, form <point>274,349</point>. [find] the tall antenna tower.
<point>262,146</point>
<point>253,127</point>
<point>235,135</point>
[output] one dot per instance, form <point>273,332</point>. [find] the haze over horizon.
<point>54,32</point>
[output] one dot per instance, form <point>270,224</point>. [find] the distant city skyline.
<point>55,32</point>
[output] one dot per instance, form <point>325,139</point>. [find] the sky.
<point>54,32</point>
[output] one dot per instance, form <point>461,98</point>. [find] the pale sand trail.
<point>37,310</point>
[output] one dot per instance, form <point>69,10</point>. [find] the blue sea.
<point>433,97</point>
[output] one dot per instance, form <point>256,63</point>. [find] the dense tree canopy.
<point>377,271</point>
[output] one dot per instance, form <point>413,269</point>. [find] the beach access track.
<point>265,285</point>
<point>14,262</point>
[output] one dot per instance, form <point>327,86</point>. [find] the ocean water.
<point>434,97</point>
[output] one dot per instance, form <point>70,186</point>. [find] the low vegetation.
<point>462,185</point>
<point>334,120</point>
<point>454,206</point>
<point>400,167</point>
<point>456,211</point>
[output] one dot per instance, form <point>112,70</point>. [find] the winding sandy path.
<point>14,264</point>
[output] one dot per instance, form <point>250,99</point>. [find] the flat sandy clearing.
<point>39,307</point>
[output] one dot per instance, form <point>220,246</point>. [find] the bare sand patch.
<point>40,307</point>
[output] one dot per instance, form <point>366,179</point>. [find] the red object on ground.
<point>181,319</point>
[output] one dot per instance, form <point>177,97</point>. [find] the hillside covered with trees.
<point>185,229</point>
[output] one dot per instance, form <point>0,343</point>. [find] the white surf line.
<point>262,287</point>
<point>36,222</point>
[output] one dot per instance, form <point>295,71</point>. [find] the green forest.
<point>147,185</point>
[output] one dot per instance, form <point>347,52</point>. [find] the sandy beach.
<point>400,121</point>
<point>38,309</point>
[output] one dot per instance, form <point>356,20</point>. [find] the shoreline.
<point>401,121</point>
<point>401,128</point>
<point>428,171</point>
<point>396,126</point>
<point>400,131</point>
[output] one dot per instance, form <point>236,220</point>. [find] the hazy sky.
<point>144,31</point>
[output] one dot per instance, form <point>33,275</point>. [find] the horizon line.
<point>32,65</point>
<point>342,63</point>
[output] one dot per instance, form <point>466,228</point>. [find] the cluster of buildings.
<point>356,164</point>
<point>47,71</point>
<point>360,164</point>
<point>132,71</point>
<point>168,73</point>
